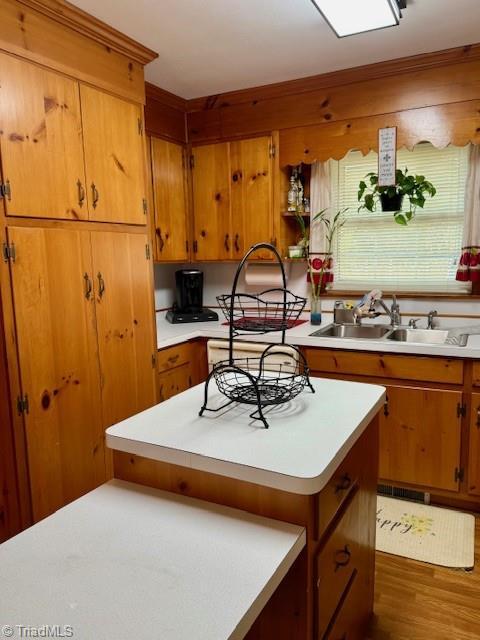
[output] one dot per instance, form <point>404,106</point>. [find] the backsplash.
<point>218,278</point>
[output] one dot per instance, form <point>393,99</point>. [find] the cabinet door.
<point>474,447</point>
<point>114,157</point>
<point>170,200</point>
<point>211,202</point>
<point>251,195</point>
<point>41,142</point>
<point>125,323</point>
<point>420,431</point>
<point>54,314</point>
<point>175,381</point>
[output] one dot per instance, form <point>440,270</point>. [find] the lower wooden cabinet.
<point>420,437</point>
<point>473,478</point>
<point>181,367</point>
<point>175,381</point>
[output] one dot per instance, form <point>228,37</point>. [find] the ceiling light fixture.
<point>349,17</point>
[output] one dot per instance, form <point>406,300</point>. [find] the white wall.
<point>218,278</point>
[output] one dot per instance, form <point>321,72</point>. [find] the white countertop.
<point>306,441</point>
<point>171,334</point>
<point>126,561</point>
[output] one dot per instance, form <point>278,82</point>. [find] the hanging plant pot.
<point>391,203</point>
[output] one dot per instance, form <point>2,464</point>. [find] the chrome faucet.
<point>432,314</point>
<point>393,313</point>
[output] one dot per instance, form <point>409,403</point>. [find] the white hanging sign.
<point>387,156</point>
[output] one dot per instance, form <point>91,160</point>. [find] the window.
<point>373,251</point>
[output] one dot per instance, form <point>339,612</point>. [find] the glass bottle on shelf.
<point>292,198</point>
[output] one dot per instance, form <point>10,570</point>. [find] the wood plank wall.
<point>426,96</point>
<point>165,114</point>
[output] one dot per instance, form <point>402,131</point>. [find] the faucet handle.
<point>395,305</point>
<point>412,323</point>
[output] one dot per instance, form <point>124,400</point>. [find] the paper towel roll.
<point>264,276</point>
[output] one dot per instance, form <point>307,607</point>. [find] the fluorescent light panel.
<point>348,17</point>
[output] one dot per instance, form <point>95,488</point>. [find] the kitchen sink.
<point>386,332</point>
<point>369,331</point>
<point>426,336</point>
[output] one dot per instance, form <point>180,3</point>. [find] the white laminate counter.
<point>129,562</point>
<point>171,334</point>
<point>308,437</point>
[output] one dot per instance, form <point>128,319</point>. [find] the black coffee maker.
<point>189,299</point>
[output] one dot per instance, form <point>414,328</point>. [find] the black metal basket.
<point>255,380</point>
<point>262,313</point>
<point>261,381</point>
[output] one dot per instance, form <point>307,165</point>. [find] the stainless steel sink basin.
<point>369,331</point>
<point>426,336</point>
<point>386,332</point>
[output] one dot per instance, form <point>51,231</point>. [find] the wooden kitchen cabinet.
<point>114,157</point>
<point>124,315</point>
<point>251,171</point>
<point>175,381</point>
<point>420,436</point>
<point>84,316</point>
<point>181,367</point>
<point>232,198</point>
<point>211,202</point>
<point>170,211</point>
<point>473,476</point>
<point>41,142</point>
<point>55,318</point>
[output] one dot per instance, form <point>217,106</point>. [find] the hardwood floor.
<point>416,601</point>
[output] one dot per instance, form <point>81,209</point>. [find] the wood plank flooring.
<point>416,601</point>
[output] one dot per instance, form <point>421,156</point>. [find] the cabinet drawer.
<point>334,496</point>
<point>386,365</point>
<point>337,563</point>
<point>172,357</point>
<point>350,620</point>
<point>476,374</point>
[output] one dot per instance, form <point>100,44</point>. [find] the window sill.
<point>420,295</point>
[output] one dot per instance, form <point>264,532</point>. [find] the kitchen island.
<point>316,466</point>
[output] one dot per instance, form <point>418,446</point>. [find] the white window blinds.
<point>372,250</point>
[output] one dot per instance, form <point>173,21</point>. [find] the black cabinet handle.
<point>95,195</point>
<point>81,193</point>
<point>237,245</point>
<point>344,484</point>
<point>342,557</point>
<point>227,242</point>
<point>101,285</point>
<point>88,286</point>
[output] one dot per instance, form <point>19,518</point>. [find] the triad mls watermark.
<point>42,631</point>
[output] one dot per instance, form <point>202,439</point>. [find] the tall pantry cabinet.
<point>76,273</point>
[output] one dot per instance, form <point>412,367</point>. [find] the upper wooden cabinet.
<point>68,151</point>
<point>211,202</point>
<point>252,195</point>
<point>114,157</point>
<point>41,142</point>
<point>170,210</point>
<point>232,198</point>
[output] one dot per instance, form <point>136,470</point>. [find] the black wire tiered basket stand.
<point>277,376</point>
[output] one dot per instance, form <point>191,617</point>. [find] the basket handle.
<point>253,248</point>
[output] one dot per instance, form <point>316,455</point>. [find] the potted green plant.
<point>300,250</point>
<point>414,187</point>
